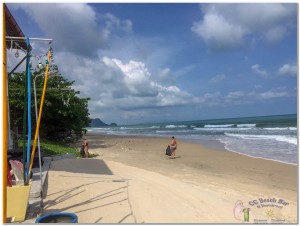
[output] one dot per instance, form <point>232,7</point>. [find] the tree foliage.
<point>64,112</point>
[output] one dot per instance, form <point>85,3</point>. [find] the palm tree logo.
<point>240,212</point>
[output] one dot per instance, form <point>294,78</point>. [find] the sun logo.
<point>269,214</point>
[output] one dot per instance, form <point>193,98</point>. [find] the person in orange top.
<point>173,147</point>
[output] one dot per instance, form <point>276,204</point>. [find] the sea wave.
<point>154,127</point>
<point>282,128</point>
<point>175,126</point>
<point>175,131</point>
<point>246,125</point>
<point>97,128</point>
<point>222,129</point>
<point>287,139</point>
<point>219,126</point>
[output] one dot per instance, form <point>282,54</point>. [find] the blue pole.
<point>28,108</point>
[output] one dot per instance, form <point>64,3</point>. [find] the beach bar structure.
<point>10,28</point>
<point>15,198</point>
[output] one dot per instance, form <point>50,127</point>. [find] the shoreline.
<point>218,145</point>
<point>272,160</point>
<point>211,144</point>
<point>190,155</point>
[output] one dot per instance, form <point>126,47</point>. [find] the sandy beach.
<point>133,181</point>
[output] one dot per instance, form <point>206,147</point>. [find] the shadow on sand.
<point>176,157</point>
<point>84,165</point>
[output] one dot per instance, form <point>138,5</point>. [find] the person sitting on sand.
<point>86,149</point>
<point>173,147</point>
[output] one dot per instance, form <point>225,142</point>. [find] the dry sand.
<point>133,181</point>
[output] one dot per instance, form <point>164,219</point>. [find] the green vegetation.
<point>51,148</point>
<point>65,115</point>
<point>54,148</point>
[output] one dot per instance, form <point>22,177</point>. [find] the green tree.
<point>64,112</point>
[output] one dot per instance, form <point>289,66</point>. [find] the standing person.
<point>86,149</point>
<point>173,147</point>
<point>82,150</point>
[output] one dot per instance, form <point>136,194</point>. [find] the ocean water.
<point>269,137</point>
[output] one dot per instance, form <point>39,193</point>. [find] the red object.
<point>9,182</point>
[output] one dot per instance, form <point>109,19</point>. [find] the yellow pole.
<point>5,122</point>
<point>40,114</point>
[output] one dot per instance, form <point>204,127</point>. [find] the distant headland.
<point>98,123</point>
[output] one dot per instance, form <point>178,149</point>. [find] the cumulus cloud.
<point>169,77</point>
<point>257,70</point>
<point>131,73</point>
<point>113,84</point>
<point>164,75</point>
<point>114,23</point>
<point>217,33</point>
<point>75,27</point>
<point>288,70</point>
<point>122,90</point>
<point>227,26</point>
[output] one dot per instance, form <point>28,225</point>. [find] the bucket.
<point>17,201</point>
<point>58,218</point>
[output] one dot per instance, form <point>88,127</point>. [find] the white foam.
<point>282,128</point>
<point>222,129</point>
<point>173,126</point>
<point>246,125</point>
<point>255,152</point>
<point>219,126</point>
<point>287,139</point>
<point>256,157</point>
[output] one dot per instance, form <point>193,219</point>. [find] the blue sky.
<point>155,62</point>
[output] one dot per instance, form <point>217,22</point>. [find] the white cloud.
<point>114,23</point>
<point>242,97</point>
<point>75,27</point>
<point>272,94</point>
<point>217,33</point>
<point>288,70</point>
<point>256,69</point>
<point>165,76</point>
<point>235,95</point>
<point>169,77</point>
<point>275,34</point>
<point>116,88</point>
<point>114,85</point>
<point>226,26</point>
